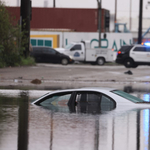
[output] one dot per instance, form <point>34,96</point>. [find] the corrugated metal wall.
<point>80,20</point>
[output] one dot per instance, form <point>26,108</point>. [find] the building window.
<point>40,42</point>
<point>48,43</point>
<point>33,42</point>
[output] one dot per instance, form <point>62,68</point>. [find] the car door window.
<point>48,51</point>
<point>88,97</point>
<point>44,50</point>
<point>76,47</point>
<point>56,100</point>
<point>140,49</point>
<point>93,102</point>
<point>51,51</point>
<point>107,103</point>
<point>88,102</point>
<point>37,50</point>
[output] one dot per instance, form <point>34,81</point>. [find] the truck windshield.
<point>69,46</point>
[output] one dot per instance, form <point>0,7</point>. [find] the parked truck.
<point>82,52</point>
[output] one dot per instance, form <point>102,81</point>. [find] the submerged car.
<point>50,55</point>
<point>90,100</point>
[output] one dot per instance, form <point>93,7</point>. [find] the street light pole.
<point>130,14</point>
<point>115,14</point>
<point>53,3</point>
<point>25,12</point>
<point>140,22</point>
<point>99,20</point>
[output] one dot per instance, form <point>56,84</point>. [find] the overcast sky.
<point>123,6</point>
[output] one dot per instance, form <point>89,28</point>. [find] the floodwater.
<point>27,127</point>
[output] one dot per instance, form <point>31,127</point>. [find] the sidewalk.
<point>51,77</point>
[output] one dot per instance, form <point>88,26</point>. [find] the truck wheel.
<point>64,61</point>
<point>100,61</point>
<point>128,63</point>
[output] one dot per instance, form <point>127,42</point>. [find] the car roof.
<point>104,90</point>
<point>134,45</point>
<point>42,46</point>
<point>99,89</point>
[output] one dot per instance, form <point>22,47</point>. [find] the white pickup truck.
<point>82,51</point>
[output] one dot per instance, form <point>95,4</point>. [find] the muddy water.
<point>27,127</point>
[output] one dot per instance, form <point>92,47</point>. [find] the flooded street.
<point>24,126</point>
<point>96,58</point>
<point>27,127</point>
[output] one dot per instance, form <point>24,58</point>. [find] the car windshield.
<point>68,46</point>
<point>128,96</point>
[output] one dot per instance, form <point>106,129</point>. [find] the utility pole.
<point>53,3</point>
<point>115,14</point>
<point>140,22</point>
<point>25,12</point>
<point>18,2</point>
<point>130,15</point>
<point>99,20</point>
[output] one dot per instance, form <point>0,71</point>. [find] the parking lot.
<point>52,76</point>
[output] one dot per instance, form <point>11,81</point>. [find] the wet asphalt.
<point>56,76</point>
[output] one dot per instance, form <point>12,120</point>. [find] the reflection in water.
<point>138,131</point>
<point>96,145</point>
<point>51,132</point>
<point>146,97</point>
<point>37,128</point>
<point>146,128</point>
<point>8,123</point>
<point>23,123</point>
